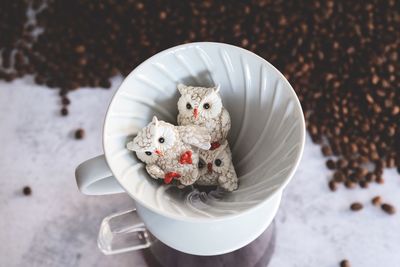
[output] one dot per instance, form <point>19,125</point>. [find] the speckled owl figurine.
<point>171,152</point>
<point>203,106</point>
<point>216,168</point>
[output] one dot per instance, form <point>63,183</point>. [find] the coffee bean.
<point>79,134</point>
<point>380,180</point>
<point>163,15</point>
<point>338,176</point>
<point>363,160</point>
<point>332,185</point>
<point>376,201</point>
<point>65,101</point>
<point>342,163</point>
<point>370,177</point>
<point>326,151</point>
<point>390,162</point>
<point>330,164</point>
<point>64,111</point>
<point>389,209</point>
<point>379,165</point>
<point>344,263</point>
<point>353,164</point>
<point>360,173</point>
<point>378,172</point>
<point>363,184</point>
<point>39,80</point>
<point>353,177</point>
<point>80,49</point>
<point>349,184</point>
<point>356,206</point>
<point>105,83</point>
<point>27,190</point>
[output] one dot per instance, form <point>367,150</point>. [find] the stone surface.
<point>57,226</point>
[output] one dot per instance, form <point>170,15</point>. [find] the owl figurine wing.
<point>225,123</point>
<point>155,171</point>
<point>195,135</point>
<point>229,180</point>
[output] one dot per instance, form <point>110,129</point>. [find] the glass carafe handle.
<point>122,232</point>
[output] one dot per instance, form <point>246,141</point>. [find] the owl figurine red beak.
<point>209,167</point>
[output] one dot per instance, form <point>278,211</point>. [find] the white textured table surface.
<point>57,226</point>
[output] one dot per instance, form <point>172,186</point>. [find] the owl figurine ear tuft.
<point>216,88</point>
<point>154,120</point>
<point>182,88</point>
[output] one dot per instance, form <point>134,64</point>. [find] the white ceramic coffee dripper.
<point>267,139</point>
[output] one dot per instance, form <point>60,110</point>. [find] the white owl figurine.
<point>170,152</point>
<point>203,106</point>
<point>216,168</point>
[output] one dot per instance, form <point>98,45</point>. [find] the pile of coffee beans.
<point>14,32</point>
<point>342,58</point>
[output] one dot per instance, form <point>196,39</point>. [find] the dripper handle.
<point>122,232</point>
<point>94,177</point>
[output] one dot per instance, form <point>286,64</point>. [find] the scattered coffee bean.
<point>64,111</point>
<point>332,186</point>
<point>27,191</point>
<point>344,263</point>
<point>65,101</point>
<point>356,206</point>
<point>389,209</point>
<point>376,201</point>
<point>79,134</point>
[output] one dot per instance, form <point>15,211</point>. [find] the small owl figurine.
<point>216,168</point>
<point>170,152</point>
<point>203,106</point>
